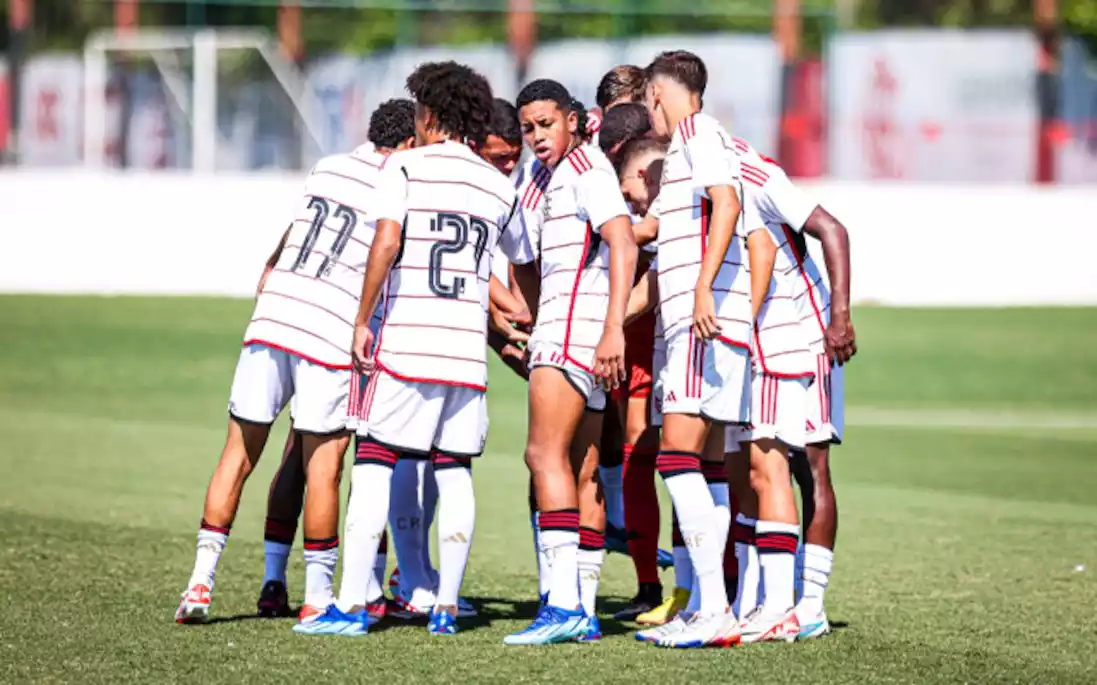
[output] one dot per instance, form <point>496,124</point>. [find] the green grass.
<point>963,520</point>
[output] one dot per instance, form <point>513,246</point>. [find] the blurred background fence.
<point>909,90</point>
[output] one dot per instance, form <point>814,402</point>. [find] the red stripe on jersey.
<point>559,217</point>
<point>325,172</point>
<point>561,246</point>
<point>750,167</point>
<point>368,163</point>
<point>751,177</point>
<point>581,155</point>
<point>328,257</point>
<point>311,278</point>
<point>571,304</point>
<point>282,348</point>
<point>803,274</point>
<point>311,304</point>
<point>430,181</point>
<point>401,353</point>
<point>476,161</point>
<point>456,329</point>
<point>433,381</point>
<point>309,221</point>
<point>536,189</point>
<point>311,335</point>
<point>443,211</point>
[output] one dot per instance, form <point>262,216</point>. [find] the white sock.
<point>613,486</point>
<point>683,568</point>
<point>367,512</point>
<point>590,572</point>
<point>818,563</point>
<point>544,562</point>
<point>456,524</point>
<point>210,545</point>
<point>406,523</point>
<point>700,522</point>
<point>750,572</point>
<point>560,542</point>
<point>776,544</point>
<point>319,572</point>
<point>375,591</point>
<point>275,560</point>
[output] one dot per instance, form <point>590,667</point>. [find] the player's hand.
<point>840,340</point>
<point>705,325</point>
<point>609,358</point>
<point>522,319</point>
<point>515,357</point>
<point>502,322</point>
<point>361,350</point>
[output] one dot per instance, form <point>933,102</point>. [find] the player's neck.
<point>679,110</point>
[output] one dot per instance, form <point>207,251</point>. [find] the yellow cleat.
<point>667,610</point>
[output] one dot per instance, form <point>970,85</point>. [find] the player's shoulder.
<point>703,125</point>
<point>585,159</point>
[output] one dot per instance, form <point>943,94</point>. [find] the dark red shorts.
<point>639,350</point>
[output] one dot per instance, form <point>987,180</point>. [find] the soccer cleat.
<point>308,613</point>
<point>656,633</point>
<point>705,630</point>
<point>552,625</point>
<point>274,600</point>
<point>377,609</point>
<point>411,608</point>
<point>394,581</point>
<point>667,610</point>
<point>332,621</point>
<point>194,606</point>
<point>591,630</point>
<point>760,626</point>
<point>812,626</point>
<point>616,539</point>
<point>649,596</point>
<point>441,622</point>
<point>664,558</point>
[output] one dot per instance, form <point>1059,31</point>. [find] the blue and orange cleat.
<point>441,622</point>
<point>334,622</point>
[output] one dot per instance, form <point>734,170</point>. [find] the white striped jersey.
<point>455,209</point>
<point>531,184</point>
<point>582,196</point>
<point>699,157</point>
<point>311,297</point>
<point>785,209</point>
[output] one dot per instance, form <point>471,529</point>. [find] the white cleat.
<point>705,630</point>
<point>194,606</point>
<point>656,633</point>
<point>812,625</point>
<point>763,626</point>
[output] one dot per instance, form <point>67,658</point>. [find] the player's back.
<point>436,299</point>
<point>699,157</point>
<point>784,208</point>
<point>310,298</point>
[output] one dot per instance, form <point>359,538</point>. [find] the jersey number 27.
<point>463,226</point>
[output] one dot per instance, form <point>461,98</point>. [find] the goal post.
<point>191,68</point>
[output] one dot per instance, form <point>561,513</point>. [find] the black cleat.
<point>274,600</point>
<point>649,596</point>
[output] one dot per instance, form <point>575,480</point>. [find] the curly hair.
<point>504,122</point>
<point>582,130</point>
<point>392,123</point>
<point>459,98</point>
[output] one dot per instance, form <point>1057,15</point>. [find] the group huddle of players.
<point>644,271</point>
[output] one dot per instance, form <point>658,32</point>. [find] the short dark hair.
<point>545,89</point>
<point>682,66</point>
<point>623,123</point>
<point>392,123</point>
<point>459,98</point>
<point>504,122</point>
<point>636,147</point>
<point>583,119</point>
<point>625,82</point>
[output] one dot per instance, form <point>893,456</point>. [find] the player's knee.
<point>542,458</point>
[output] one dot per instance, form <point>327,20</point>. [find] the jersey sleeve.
<point>513,238</point>
<point>712,161</point>
<point>598,195</point>
<point>750,218</point>
<point>392,191</point>
<point>783,202</point>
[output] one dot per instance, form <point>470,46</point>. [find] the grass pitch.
<point>967,548</point>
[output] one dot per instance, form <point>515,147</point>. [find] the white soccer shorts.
<point>706,378</point>
<point>778,409</point>
<point>267,379</point>
<point>826,404</point>
<point>584,382</point>
<point>418,417</point>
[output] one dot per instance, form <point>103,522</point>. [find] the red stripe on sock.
<point>714,472</point>
<point>321,544</point>
<point>279,531</point>
<point>223,530</point>
<point>561,519</point>
<point>776,542</point>
<point>369,450</point>
<point>591,539</point>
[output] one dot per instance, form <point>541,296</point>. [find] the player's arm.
<point>392,186</point>
<point>762,255</point>
<point>610,353</point>
<point>272,260</point>
<point>644,296</point>
<point>527,278</point>
<point>647,229</point>
<point>515,290</point>
<point>840,339</point>
<point>506,310</point>
<point>516,244</point>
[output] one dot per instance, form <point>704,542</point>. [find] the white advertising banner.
<point>148,234</point>
<point>51,110</point>
<point>933,105</point>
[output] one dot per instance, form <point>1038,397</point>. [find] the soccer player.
<point>825,314</point>
<point>296,350</point>
<point>705,310</point>
<point>588,259</point>
<point>621,124</point>
<point>441,212</point>
<point>621,84</point>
